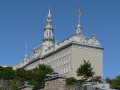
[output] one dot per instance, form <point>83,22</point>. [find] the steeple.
<point>79,27</point>
<point>48,31</point>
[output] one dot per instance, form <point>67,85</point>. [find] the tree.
<point>16,78</point>
<point>85,71</point>
<point>7,73</point>
<point>39,74</point>
<point>21,74</point>
<point>71,81</point>
<point>116,83</point>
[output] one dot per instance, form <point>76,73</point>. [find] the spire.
<point>48,31</point>
<point>49,14</point>
<point>26,56</point>
<point>79,27</point>
<point>49,17</point>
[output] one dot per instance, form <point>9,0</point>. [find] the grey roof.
<point>54,77</point>
<point>25,86</point>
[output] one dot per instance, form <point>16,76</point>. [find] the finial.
<point>49,17</point>
<point>49,14</point>
<point>79,14</point>
<point>94,36</point>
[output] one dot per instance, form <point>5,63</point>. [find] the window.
<point>57,64</point>
<point>69,51</point>
<point>55,58</point>
<point>64,61</point>
<point>54,65</point>
<point>62,55</point>
<point>69,59</point>
<point>48,60</point>
<point>69,68</point>
<point>61,71</point>
<point>64,70</point>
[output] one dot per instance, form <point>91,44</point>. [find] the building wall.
<point>94,55</point>
<point>59,61</point>
<point>67,61</point>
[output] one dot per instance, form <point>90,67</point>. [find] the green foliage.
<point>7,73</point>
<point>36,84</point>
<point>116,83</point>
<point>42,70</point>
<point>21,74</point>
<point>73,81</point>
<point>39,74</point>
<point>16,78</point>
<point>85,71</point>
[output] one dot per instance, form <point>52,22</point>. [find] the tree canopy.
<point>6,73</point>
<point>116,83</point>
<point>18,77</point>
<point>85,71</point>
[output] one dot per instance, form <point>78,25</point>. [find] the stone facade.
<point>27,88</point>
<point>56,84</point>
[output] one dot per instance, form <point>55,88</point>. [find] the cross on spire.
<point>79,27</point>
<point>79,15</point>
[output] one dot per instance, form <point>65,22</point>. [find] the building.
<point>65,57</point>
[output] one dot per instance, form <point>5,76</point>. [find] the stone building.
<point>65,57</point>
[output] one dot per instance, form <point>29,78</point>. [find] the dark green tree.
<point>21,74</point>
<point>39,74</point>
<point>7,73</point>
<point>16,78</point>
<point>116,83</point>
<point>1,72</point>
<point>85,71</point>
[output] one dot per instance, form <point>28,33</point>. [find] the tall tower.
<point>79,27</point>
<point>48,39</point>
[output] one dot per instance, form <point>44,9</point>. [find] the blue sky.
<point>23,21</point>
